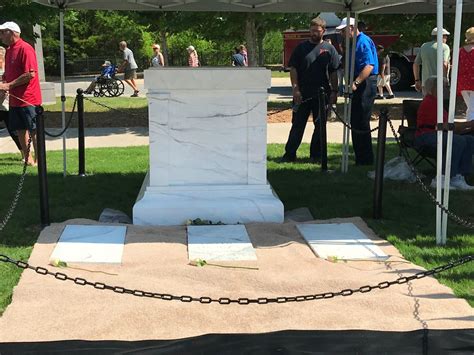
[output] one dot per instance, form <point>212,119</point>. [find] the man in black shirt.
<point>313,65</point>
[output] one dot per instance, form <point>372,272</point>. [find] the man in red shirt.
<point>21,82</point>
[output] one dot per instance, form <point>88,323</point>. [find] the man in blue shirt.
<point>364,87</point>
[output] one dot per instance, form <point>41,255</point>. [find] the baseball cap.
<point>155,46</point>
<point>190,48</point>
<point>435,32</point>
<point>344,23</point>
<point>12,26</point>
<point>106,63</point>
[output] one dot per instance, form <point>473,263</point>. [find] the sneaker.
<point>135,94</point>
<point>459,183</point>
<point>433,183</point>
<point>390,96</point>
<point>379,97</point>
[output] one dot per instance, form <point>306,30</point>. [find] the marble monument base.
<point>230,204</point>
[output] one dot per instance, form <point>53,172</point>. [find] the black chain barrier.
<point>357,131</point>
<point>19,189</point>
<point>111,108</point>
<point>55,135</point>
<point>240,301</point>
<point>459,220</point>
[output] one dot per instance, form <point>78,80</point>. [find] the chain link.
<point>357,131</point>
<point>67,125</point>
<point>240,301</point>
<point>19,189</point>
<point>112,108</point>
<point>453,216</point>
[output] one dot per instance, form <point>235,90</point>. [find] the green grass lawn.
<point>116,174</point>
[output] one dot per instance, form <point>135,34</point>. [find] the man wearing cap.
<point>364,87</point>
<point>21,81</point>
<point>427,58</point>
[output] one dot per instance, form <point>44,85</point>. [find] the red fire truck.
<point>400,63</point>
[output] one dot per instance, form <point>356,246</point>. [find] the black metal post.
<point>379,163</point>
<point>80,135</point>
<point>322,128</point>
<point>42,170</point>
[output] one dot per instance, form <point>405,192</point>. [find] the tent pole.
<point>346,104</point>
<point>452,105</point>
<point>63,97</point>
<point>439,111</point>
<point>348,78</point>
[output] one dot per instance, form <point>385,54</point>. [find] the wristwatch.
<point>357,82</point>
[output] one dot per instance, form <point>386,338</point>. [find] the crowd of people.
<point>314,64</point>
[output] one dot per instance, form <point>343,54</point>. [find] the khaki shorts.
<point>384,81</point>
<point>130,74</point>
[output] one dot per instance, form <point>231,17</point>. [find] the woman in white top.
<point>157,60</point>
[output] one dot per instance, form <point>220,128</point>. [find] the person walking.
<point>157,60</point>
<point>313,64</point>
<point>193,58</point>
<point>4,116</point>
<point>129,67</point>
<point>383,79</point>
<point>427,59</point>
<point>466,74</point>
<point>21,82</point>
<point>364,85</point>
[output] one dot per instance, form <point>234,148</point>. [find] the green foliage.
<point>273,47</point>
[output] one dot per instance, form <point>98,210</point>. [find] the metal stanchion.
<point>80,124</point>
<point>379,163</point>
<point>322,129</point>
<point>42,171</point>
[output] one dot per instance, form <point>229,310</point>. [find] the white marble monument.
<point>207,148</point>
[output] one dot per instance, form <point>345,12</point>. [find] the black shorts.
<point>23,118</point>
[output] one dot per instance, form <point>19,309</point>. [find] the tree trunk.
<point>164,47</point>
<point>250,38</point>
<point>261,52</point>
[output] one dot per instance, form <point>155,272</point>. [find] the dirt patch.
<point>139,117</point>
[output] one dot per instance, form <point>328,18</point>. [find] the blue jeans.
<point>463,148</point>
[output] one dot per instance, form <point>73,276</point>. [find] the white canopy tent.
<point>347,6</point>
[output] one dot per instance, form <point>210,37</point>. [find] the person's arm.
<point>295,86</point>
<point>364,74</point>
<point>162,59</point>
<point>23,79</point>
<point>334,87</point>
<point>416,75</point>
<point>382,70</point>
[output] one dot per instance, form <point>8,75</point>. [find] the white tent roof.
<point>379,6</point>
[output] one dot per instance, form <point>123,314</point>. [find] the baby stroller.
<point>106,84</point>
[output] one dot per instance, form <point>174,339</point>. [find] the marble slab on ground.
<point>340,240</point>
<point>90,244</point>
<point>220,243</point>
<point>301,214</point>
